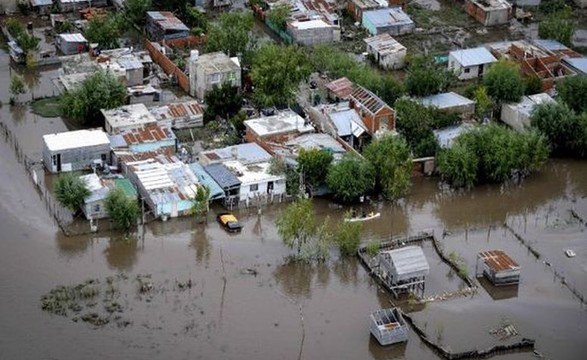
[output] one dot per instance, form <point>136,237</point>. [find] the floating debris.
<point>504,332</point>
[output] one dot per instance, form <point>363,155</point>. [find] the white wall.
<point>473,71</point>
<point>393,61</point>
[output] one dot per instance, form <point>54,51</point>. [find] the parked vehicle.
<point>229,222</point>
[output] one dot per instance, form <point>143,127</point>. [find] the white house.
<point>212,69</point>
<point>387,51</point>
<point>517,115</point>
<point>75,150</point>
<point>127,118</point>
<point>470,63</point>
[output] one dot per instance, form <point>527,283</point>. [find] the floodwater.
<point>289,311</point>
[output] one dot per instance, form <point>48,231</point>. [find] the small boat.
<point>229,222</point>
<point>388,326</point>
<point>369,216</point>
<point>570,253</point>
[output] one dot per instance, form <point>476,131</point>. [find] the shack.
<point>227,181</point>
<point>470,63</point>
<point>127,117</point>
<point>497,267</point>
<point>450,102</point>
<point>377,116</point>
<point>313,32</point>
<point>41,7</point>
<point>164,25</point>
<point>187,114</point>
<point>404,270</point>
<point>339,89</point>
<point>147,139</point>
<point>517,115</point>
<point>489,12</point>
<point>392,20</point>
<point>388,326</point>
<point>93,207</point>
<point>386,51</point>
<point>357,7</point>
<point>75,150</point>
<point>70,44</point>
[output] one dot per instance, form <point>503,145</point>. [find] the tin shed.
<point>71,44</point>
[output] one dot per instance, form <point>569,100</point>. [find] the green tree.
<point>425,77</point>
<point>558,26</point>
<point>350,178</point>
<point>391,159</point>
<point>197,20</point>
<point>314,165</point>
<point>483,103</point>
<point>136,11</point>
<point>532,85</point>
<point>201,202</point>
<point>552,6</point>
<point>277,72</point>
<point>572,92</point>
<point>504,82</point>
<point>101,90</point>
<point>348,236</point>
<point>121,209</point>
<point>458,166</point>
<point>105,30</point>
<point>278,16</point>
<point>71,191</point>
<point>224,101</point>
<point>17,87</point>
<point>232,34</point>
<point>565,131</point>
<point>296,226</point>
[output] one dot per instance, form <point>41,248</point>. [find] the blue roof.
<point>445,100</point>
<point>117,140</point>
<point>222,175</point>
<point>249,153</point>
<point>472,57</point>
<point>205,179</point>
<point>551,45</point>
<point>580,64</point>
<point>387,16</point>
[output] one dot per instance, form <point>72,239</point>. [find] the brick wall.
<point>168,66</point>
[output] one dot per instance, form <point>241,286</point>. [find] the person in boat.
<point>364,214</point>
<point>371,214</point>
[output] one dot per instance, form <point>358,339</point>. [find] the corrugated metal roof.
<point>222,176</point>
<point>577,63</point>
<point>148,134</point>
<point>408,260</point>
<point>41,2</point>
<point>342,87</point>
<point>205,179</point>
<point>74,38</point>
<point>348,122</point>
<point>384,44</point>
<point>471,57</point>
<point>445,100</point>
<point>247,153</point>
<point>75,139</point>
<point>387,16</point>
<point>177,110</point>
<point>167,20</point>
<point>367,99</point>
<point>126,186</point>
<point>551,45</point>
<point>498,260</point>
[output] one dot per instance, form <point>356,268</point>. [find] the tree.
<point>71,191</point>
<point>532,85</point>
<point>17,87</point>
<point>279,15</point>
<point>350,178</point>
<point>101,90</point>
<point>121,209</point>
<point>504,81</point>
<point>277,72</point>
<point>565,131</point>
<point>197,20</point>
<point>136,11</point>
<point>224,101</point>
<point>483,103</point>
<point>314,164</point>
<point>572,92</point>
<point>348,236</point>
<point>559,25</point>
<point>296,226</point>
<point>458,166</point>
<point>425,77</point>
<point>232,34</point>
<point>201,201</point>
<point>391,159</point>
<point>105,30</point>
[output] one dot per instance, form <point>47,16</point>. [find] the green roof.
<point>126,186</point>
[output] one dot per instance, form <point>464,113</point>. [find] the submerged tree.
<point>314,164</point>
<point>458,166</point>
<point>565,130</point>
<point>348,236</point>
<point>573,92</point>
<point>297,225</point>
<point>121,209</point>
<point>350,178</point>
<point>71,191</point>
<point>201,202</point>
<point>17,87</point>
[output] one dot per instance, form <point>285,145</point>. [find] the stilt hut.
<point>404,270</point>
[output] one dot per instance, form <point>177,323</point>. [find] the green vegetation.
<point>277,72</point>
<point>483,103</point>
<point>314,164</point>
<point>196,20</point>
<point>372,248</point>
<point>565,130</point>
<point>70,191</point>
<point>391,159</point>
<point>136,11</point>
<point>279,15</point>
<point>106,31</point>
<point>350,178</point>
<point>504,82</point>
<point>27,42</point>
<point>47,107</point>
<point>572,92</point>
<point>201,202</point>
<point>492,154</point>
<point>121,209</point>
<point>99,91</point>
<point>425,77</point>
<point>559,25</point>
<point>532,85</point>
<point>224,101</point>
<point>348,236</point>
<point>232,34</point>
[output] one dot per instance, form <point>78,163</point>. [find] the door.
<point>58,162</point>
<point>480,69</point>
<point>269,187</point>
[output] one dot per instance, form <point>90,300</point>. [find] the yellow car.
<point>229,222</point>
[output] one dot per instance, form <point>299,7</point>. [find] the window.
<point>214,78</point>
<point>467,70</point>
<point>96,208</point>
<point>254,187</point>
<point>103,157</point>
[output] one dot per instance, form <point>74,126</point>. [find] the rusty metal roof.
<point>498,260</point>
<point>147,134</point>
<point>342,87</point>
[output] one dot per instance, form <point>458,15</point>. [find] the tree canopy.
<point>279,15</point>
<point>559,25</point>
<point>504,81</point>
<point>573,92</point>
<point>296,226</point>
<point>425,77</point>
<point>232,34</point>
<point>223,100</point>
<point>136,10</point>
<point>71,191</point>
<point>277,72</point>
<point>105,30</point>
<point>350,178</point>
<point>348,236</point>
<point>391,159</point>
<point>201,201</point>
<point>16,87</point>
<point>314,165</point>
<point>101,90</point>
<point>121,209</point>
<point>565,130</point>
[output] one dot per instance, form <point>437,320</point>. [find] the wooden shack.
<point>497,267</point>
<point>388,326</point>
<point>404,270</point>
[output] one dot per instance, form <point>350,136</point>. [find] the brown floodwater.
<point>289,311</point>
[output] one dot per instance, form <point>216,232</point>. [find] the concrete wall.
<point>203,83</point>
<point>95,210</point>
<point>392,61</point>
<point>278,189</point>
<point>324,35</point>
<point>75,159</point>
<point>153,146</point>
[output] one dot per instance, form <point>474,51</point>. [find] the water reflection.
<point>18,112</point>
<point>32,79</point>
<point>295,279</point>
<point>121,253</point>
<point>347,270</point>
<point>71,246</point>
<point>378,352</point>
<point>201,245</point>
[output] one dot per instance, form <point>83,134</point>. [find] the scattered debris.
<point>504,332</point>
<point>570,253</point>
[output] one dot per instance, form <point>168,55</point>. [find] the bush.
<point>565,130</point>
<point>504,82</point>
<point>71,191</point>
<point>121,209</point>
<point>348,236</point>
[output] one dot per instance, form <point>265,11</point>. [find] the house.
<point>283,125</point>
<point>489,12</point>
<point>182,115</point>
<point>133,68</point>
<point>498,267</point>
<point>127,117</point>
<point>145,139</point>
<point>517,115</point>
<point>248,153</point>
<point>470,63</point>
<point>257,184</point>
<point>93,207</point>
<point>377,116</point>
<point>216,192</point>
<point>445,137</point>
<point>406,269</point>
<point>392,20</point>
<point>41,7</point>
<point>122,157</point>
<point>70,44</point>
<point>166,184</point>
<point>350,127</point>
<point>339,89</point>
<point>164,25</point>
<point>356,8</point>
<point>290,150</point>
<point>75,150</point>
<point>227,181</point>
<point>450,102</point>
<point>386,51</point>
<point>313,32</point>
<point>213,69</point>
